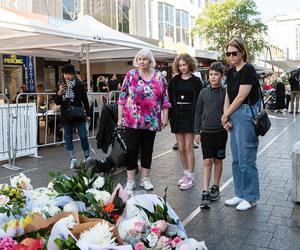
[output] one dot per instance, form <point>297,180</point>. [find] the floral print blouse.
<point>143,101</point>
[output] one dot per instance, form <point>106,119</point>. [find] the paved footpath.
<point>273,224</point>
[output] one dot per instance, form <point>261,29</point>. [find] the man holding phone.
<point>72,95</point>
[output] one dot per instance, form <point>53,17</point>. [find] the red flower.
<point>116,217</point>
<point>29,244</point>
<point>109,208</point>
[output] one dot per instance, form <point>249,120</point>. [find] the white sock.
<point>186,172</point>
<point>190,175</point>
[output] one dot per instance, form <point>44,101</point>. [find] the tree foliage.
<point>220,22</point>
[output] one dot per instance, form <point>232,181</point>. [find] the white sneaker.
<point>146,184</point>
<point>74,163</point>
<point>182,179</point>
<point>245,205</point>
<point>130,186</point>
<point>234,201</point>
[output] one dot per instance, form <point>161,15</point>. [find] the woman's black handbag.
<point>76,114</point>
<point>262,122</point>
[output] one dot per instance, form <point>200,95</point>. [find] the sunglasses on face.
<point>233,53</point>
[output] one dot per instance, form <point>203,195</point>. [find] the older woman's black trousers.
<point>139,139</point>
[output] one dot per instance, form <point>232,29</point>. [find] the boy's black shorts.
<point>214,145</point>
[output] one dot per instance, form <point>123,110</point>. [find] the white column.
<point>88,68</point>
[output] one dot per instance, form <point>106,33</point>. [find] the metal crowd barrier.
<point>5,133</point>
<point>34,122</point>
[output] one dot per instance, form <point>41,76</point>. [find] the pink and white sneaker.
<point>182,179</point>
<point>187,184</point>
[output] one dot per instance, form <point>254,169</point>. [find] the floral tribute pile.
<point>86,212</point>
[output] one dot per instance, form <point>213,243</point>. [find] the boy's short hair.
<point>218,67</point>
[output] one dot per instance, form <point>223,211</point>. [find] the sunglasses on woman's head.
<point>233,53</point>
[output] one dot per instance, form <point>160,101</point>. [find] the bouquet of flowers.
<point>109,209</point>
<point>12,200</point>
<point>83,233</point>
<point>152,236</point>
<point>83,186</point>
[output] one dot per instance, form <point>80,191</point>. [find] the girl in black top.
<point>184,89</point>
<point>242,91</point>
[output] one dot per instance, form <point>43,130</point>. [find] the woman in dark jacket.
<point>184,89</point>
<point>71,92</point>
<point>280,96</point>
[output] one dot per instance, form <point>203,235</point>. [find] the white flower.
<point>50,186</point>
<point>21,181</point>
<point>99,195</point>
<point>69,221</point>
<point>71,207</point>
<point>86,181</point>
<point>99,235</point>
<point>152,239</point>
<point>99,182</point>
<point>3,200</point>
<point>51,210</point>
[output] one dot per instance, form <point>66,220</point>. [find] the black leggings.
<point>139,139</point>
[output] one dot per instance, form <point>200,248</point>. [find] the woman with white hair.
<point>143,98</point>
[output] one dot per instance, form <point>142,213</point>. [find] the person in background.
<point>184,89</point>
<point>71,92</point>
<point>210,132</point>
<point>113,83</point>
<point>41,99</point>
<point>280,96</point>
<point>102,84</point>
<point>287,96</point>
<point>294,82</point>
<point>78,75</point>
<point>143,98</point>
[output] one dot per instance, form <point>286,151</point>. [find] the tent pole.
<point>88,69</point>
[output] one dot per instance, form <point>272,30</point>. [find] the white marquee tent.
<point>286,65</point>
<point>83,39</point>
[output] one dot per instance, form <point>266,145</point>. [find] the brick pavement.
<point>273,224</point>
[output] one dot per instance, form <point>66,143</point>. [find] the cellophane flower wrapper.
<point>191,244</point>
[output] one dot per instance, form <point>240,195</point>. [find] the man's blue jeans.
<point>244,145</point>
<point>68,136</point>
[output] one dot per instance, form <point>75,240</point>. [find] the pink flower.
<point>7,243</point>
<point>175,241</point>
<point>162,225</point>
<point>155,230</point>
<point>139,226</point>
<point>139,246</point>
<point>165,240</point>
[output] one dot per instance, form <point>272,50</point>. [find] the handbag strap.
<point>261,97</point>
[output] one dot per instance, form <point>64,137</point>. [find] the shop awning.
<point>286,65</point>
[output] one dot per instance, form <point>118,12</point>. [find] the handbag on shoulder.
<point>261,122</point>
<point>76,114</point>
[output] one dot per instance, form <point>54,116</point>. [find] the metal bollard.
<point>296,172</point>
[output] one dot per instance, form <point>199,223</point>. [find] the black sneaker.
<point>214,192</point>
<point>205,202</point>
<point>175,146</point>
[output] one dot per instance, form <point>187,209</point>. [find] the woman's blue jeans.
<point>244,145</point>
<point>82,131</point>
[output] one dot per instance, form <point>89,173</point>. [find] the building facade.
<point>284,33</point>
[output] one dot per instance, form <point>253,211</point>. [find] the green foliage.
<point>160,212</point>
<point>77,185</point>
<point>17,201</point>
<point>220,22</point>
<point>69,244</point>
